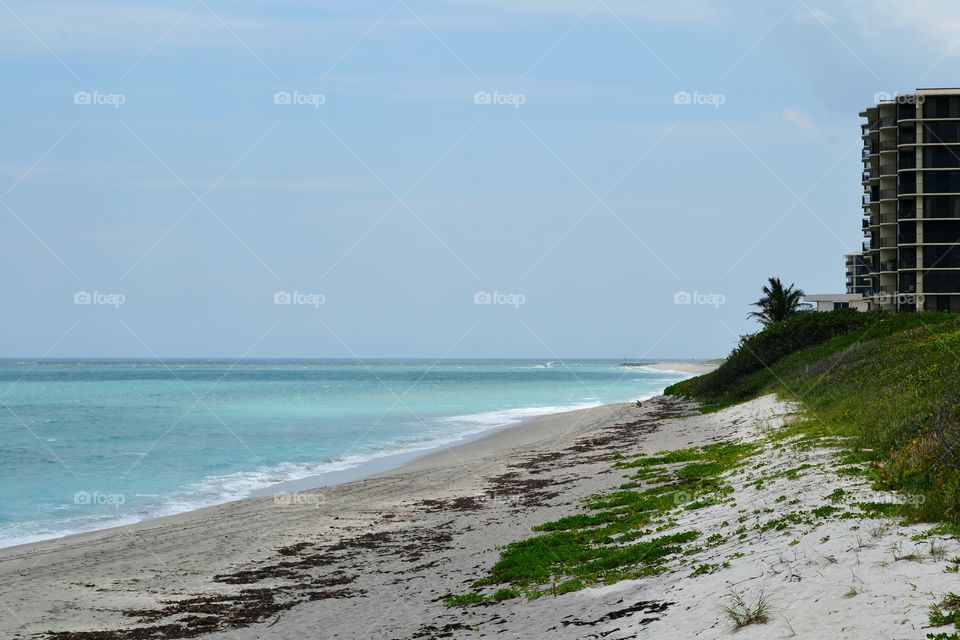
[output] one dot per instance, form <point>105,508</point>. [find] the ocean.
<point>92,444</point>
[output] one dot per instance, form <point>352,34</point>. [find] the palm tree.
<point>777,302</point>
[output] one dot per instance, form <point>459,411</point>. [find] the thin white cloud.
<point>656,11</point>
<point>805,14</point>
<point>131,176</point>
<point>109,26</point>
<point>104,26</point>
<point>801,120</point>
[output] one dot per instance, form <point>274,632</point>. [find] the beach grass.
<point>618,538</point>
<point>887,384</point>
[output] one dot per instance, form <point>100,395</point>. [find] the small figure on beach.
<point>639,404</point>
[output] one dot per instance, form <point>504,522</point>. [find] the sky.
<point>437,179</point>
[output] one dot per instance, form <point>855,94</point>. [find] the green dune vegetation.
<point>887,383</point>
<point>878,392</point>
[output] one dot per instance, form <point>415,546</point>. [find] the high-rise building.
<point>858,273</point>
<point>911,204</point>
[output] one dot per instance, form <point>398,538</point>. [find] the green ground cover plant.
<point>888,383</point>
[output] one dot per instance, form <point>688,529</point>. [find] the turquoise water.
<point>90,444</point>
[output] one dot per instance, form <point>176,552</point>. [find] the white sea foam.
<point>218,489</point>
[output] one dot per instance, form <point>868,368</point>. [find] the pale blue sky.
<point>149,154</point>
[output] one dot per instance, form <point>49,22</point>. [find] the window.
<point>941,231</point>
<point>941,282</point>
<point>941,157</point>
<point>940,182</point>
<point>940,207</point>
<point>941,107</point>
<point>941,132</point>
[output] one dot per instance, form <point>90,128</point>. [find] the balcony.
<point>886,243</point>
<point>888,265</point>
<point>888,218</point>
<point>889,121</point>
<point>888,170</point>
<point>907,163</point>
<point>906,214</point>
<point>909,238</point>
<point>888,145</point>
<point>908,138</point>
<point>866,224</point>
<point>946,215</point>
<point>866,246</point>
<point>888,194</point>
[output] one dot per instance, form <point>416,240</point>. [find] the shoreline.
<point>97,575</point>
<point>374,466</point>
<point>378,557</point>
<point>236,533</point>
<point>424,457</point>
<point>696,368</point>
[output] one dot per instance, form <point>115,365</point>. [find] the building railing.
<point>888,218</point>
<point>888,145</point>
<point>888,194</point>
<point>888,121</point>
<point>953,214</point>
<point>887,242</point>
<point>888,169</point>
<point>866,246</point>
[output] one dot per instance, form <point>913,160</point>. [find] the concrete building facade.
<point>911,202</point>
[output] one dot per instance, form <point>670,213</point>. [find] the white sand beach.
<point>375,558</point>
<point>684,366</point>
